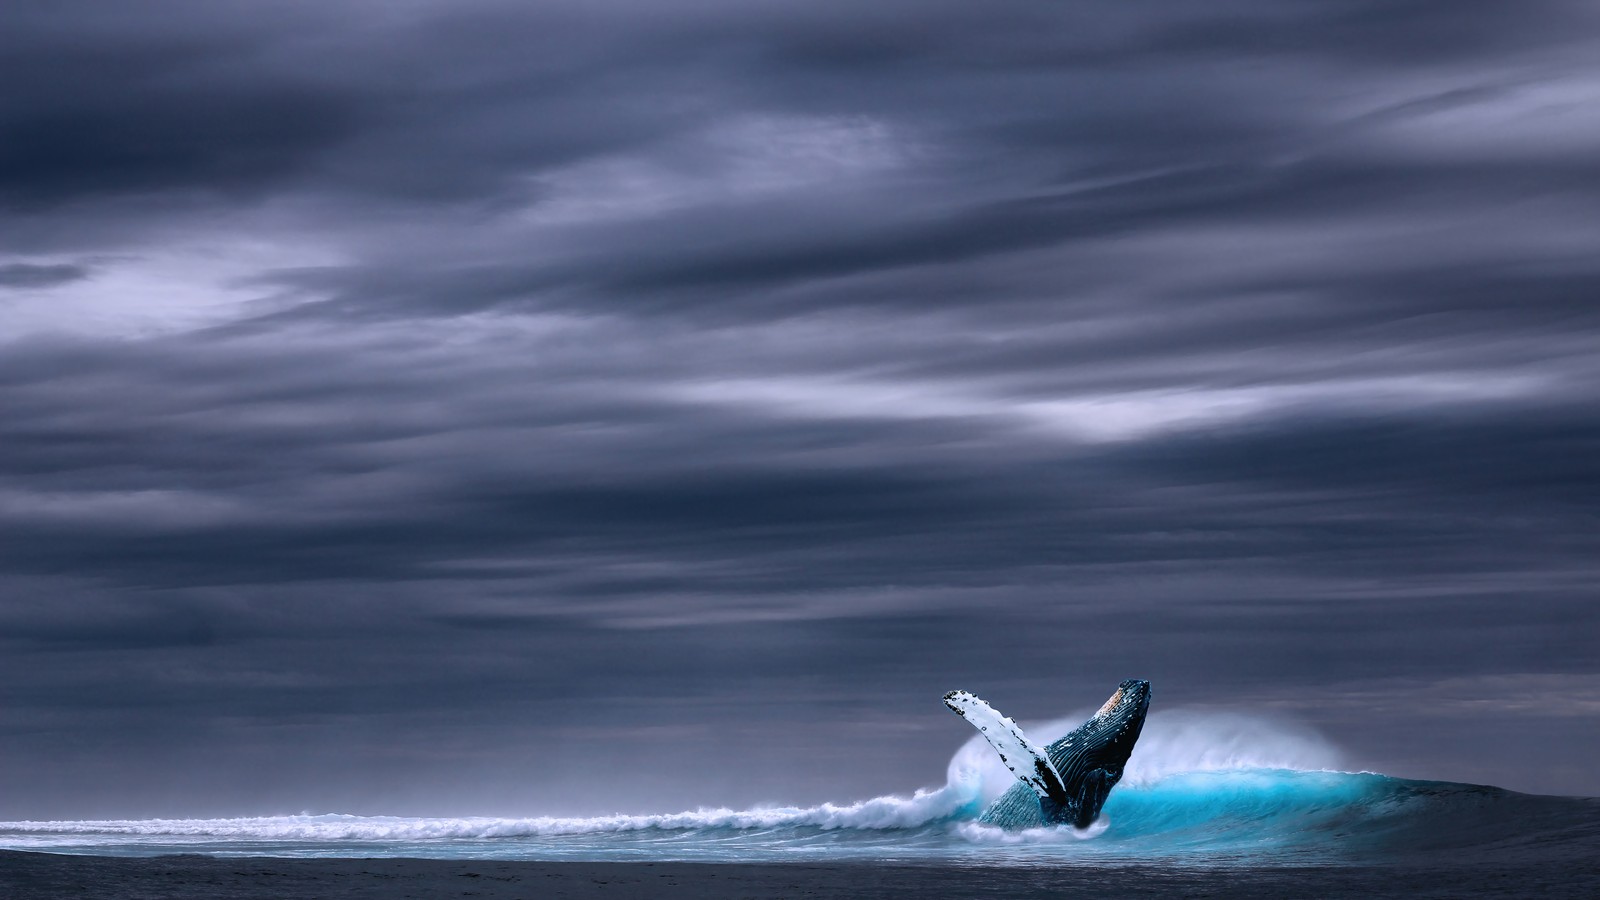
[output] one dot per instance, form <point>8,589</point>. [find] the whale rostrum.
<point>1067,782</point>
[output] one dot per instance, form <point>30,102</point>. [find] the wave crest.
<point>878,813</point>
<point>1193,777</point>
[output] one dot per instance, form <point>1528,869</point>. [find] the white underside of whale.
<point>1026,760</point>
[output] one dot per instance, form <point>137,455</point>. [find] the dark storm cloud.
<point>436,393</point>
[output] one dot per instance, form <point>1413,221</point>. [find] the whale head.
<point>1114,728</point>
<point>1128,703</point>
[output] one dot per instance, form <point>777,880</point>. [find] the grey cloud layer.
<point>450,389</point>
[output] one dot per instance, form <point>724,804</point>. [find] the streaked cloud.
<point>376,375</point>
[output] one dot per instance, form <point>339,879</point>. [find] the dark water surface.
<point>27,876</point>
<point>1235,833</point>
<point>1229,818</point>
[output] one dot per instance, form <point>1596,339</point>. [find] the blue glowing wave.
<point>1211,817</point>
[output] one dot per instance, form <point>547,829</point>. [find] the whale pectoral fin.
<point>1092,793</point>
<point>1026,760</point>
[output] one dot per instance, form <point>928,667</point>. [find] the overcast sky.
<point>492,407</point>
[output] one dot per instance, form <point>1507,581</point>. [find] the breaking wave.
<point>1199,786</point>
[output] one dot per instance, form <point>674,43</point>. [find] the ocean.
<point>1202,790</point>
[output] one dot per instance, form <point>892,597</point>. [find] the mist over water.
<point>1202,786</point>
<point>1172,742</point>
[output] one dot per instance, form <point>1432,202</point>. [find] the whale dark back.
<point>1104,741</point>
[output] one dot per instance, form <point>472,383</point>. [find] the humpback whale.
<point>1067,782</point>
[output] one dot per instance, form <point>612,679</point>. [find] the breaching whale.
<point>1067,782</point>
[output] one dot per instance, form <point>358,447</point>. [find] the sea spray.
<point>1202,787</point>
<point>1173,741</point>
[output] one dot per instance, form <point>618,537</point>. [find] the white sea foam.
<point>1173,742</point>
<point>888,812</point>
<point>1181,740</point>
<point>988,834</point>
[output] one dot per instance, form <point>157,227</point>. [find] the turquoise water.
<point>1202,788</point>
<point>1210,818</point>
